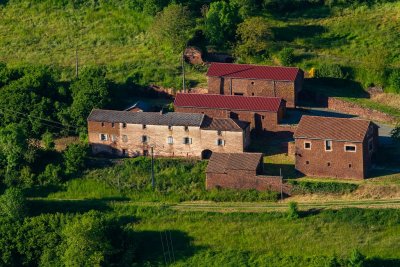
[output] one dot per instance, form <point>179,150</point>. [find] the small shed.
<point>139,106</point>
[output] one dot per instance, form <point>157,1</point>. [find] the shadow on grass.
<point>42,191</point>
<point>382,262</point>
<point>310,212</point>
<point>163,247</point>
<point>287,170</point>
<point>335,87</point>
<point>292,32</point>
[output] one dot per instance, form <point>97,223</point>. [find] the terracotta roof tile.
<point>222,162</point>
<point>231,102</point>
<point>340,129</point>
<point>246,71</point>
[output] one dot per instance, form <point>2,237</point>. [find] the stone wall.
<point>355,109</point>
<point>127,140</point>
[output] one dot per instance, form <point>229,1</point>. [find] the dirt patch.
<point>62,143</point>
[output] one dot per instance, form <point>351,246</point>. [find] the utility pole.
<point>183,71</point>
<point>152,167</point>
<point>76,62</point>
<point>280,173</point>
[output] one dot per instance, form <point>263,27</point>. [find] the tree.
<point>75,158</point>
<point>395,133</point>
<point>254,34</point>
<point>221,22</point>
<point>89,91</point>
<point>293,212</point>
<point>13,204</point>
<point>85,242</point>
<point>48,141</point>
<point>173,26</point>
<point>394,81</point>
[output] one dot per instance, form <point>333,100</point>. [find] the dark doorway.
<point>145,152</point>
<point>206,154</point>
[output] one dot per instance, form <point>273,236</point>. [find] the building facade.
<point>335,147</point>
<point>263,113</point>
<point>255,80</point>
<point>241,171</point>
<point>130,134</point>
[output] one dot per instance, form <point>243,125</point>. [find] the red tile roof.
<point>222,162</point>
<point>340,129</point>
<point>246,71</point>
<point>232,102</point>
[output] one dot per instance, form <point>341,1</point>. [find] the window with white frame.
<point>113,138</point>
<point>350,148</point>
<point>103,137</point>
<point>328,145</point>
<point>123,125</point>
<point>307,145</point>
<point>124,138</point>
<point>220,142</point>
<point>170,140</point>
<point>187,140</point>
<point>145,138</point>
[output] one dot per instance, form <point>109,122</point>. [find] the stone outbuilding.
<point>335,147</point>
<point>241,171</point>
<point>255,80</point>
<point>263,113</point>
<point>130,134</point>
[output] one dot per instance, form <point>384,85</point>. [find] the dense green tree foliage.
<point>173,26</point>
<point>254,36</point>
<point>75,158</point>
<point>221,22</point>
<point>13,204</point>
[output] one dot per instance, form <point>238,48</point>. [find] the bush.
<point>329,71</point>
<point>356,259</point>
<point>394,82</point>
<point>75,158</point>
<point>305,187</point>
<point>13,204</point>
<point>293,212</point>
<point>286,56</point>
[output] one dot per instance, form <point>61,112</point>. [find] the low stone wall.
<point>355,109</point>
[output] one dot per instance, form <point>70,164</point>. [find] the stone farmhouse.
<point>335,147</point>
<point>126,133</point>
<point>241,171</point>
<point>263,113</point>
<point>255,80</point>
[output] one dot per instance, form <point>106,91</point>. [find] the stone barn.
<point>335,147</point>
<point>241,171</point>
<point>263,113</point>
<point>255,80</point>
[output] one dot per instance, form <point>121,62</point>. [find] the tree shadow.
<point>42,191</point>
<point>382,262</point>
<point>291,32</point>
<point>310,212</point>
<point>163,247</point>
<point>335,87</point>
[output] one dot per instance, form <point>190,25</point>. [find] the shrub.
<point>293,212</point>
<point>327,70</point>
<point>394,81</point>
<point>306,187</point>
<point>48,141</point>
<point>13,204</point>
<point>356,259</point>
<point>286,56</point>
<point>75,158</point>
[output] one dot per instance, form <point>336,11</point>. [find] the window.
<point>328,164</point>
<point>350,148</point>
<point>145,152</point>
<point>307,162</point>
<point>220,142</point>
<point>350,165</point>
<point>170,140</point>
<point>237,93</point>
<point>252,83</point>
<point>262,117</point>
<point>124,138</point>
<point>145,139</point>
<point>186,128</point>
<point>144,126</point>
<point>123,125</point>
<point>112,125</point>
<point>187,140</point>
<point>103,137</point>
<point>102,124</point>
<point>219,132</point>
<point>113,138</point>
<point>307,145</point>
<point>328,145</point>
<point>170,127</point>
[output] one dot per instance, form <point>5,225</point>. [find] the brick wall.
<point>130,140</point>
<point>339,161</point>
<point>252,87</point>
<point>245,180</point>
<point>355,109</point>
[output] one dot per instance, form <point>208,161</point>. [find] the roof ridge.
<point>253,64</point>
